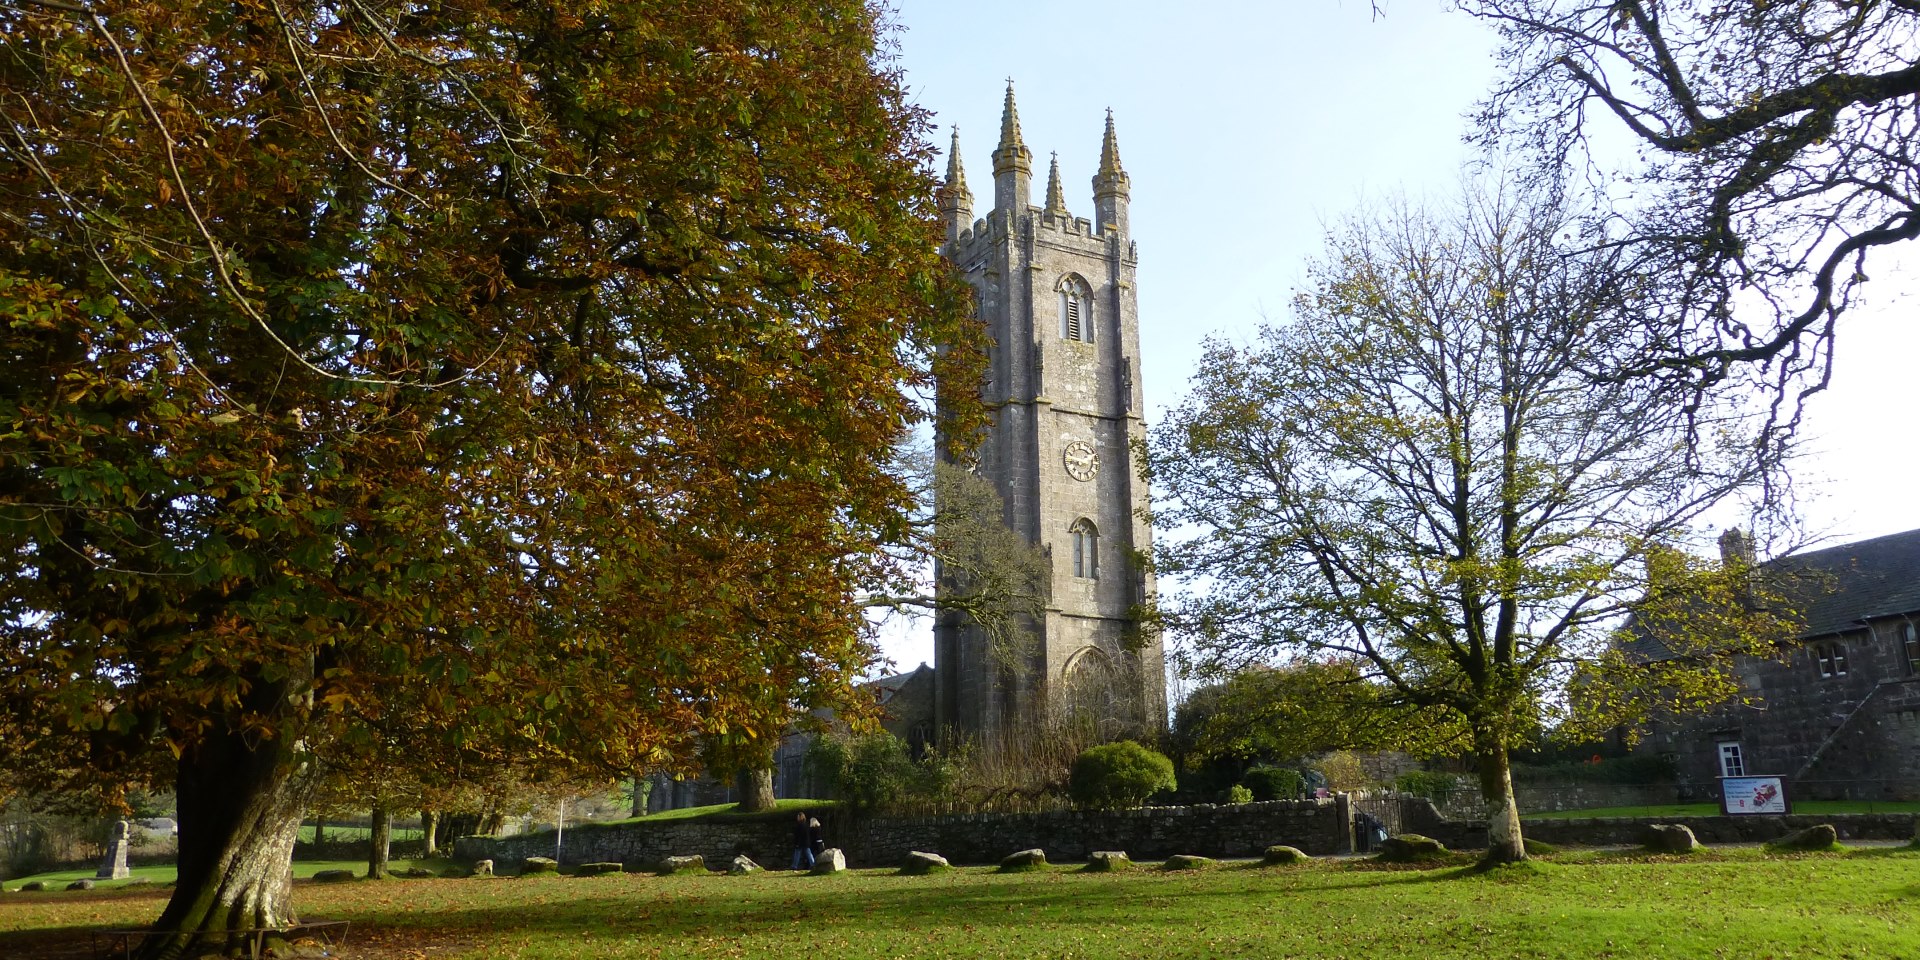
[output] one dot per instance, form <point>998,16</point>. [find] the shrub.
<point>1426,783</point>
<point>1273,783</point>
<point>1239,794</point>
<point>875,771</point>
<point>1343,770</point>
<point>1118,775</point>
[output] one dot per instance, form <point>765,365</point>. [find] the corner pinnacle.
<point>1009,122</point>
<point>1110,151</point>
<point>1111,181</point>
<point>956,176</point>
<point>1056,196</point>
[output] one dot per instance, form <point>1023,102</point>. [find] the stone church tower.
<point>1056,293</point>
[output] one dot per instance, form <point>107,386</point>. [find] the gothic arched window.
<point>1076,309</point>
<point>1086,549</point>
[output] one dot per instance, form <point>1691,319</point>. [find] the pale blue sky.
<point>1248,126</point>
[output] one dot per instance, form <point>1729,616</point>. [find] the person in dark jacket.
<point>816,838</point>
<point>802,843</point>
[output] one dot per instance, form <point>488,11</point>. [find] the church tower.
<point>1056,293</point>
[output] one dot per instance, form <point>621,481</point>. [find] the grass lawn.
<point>1741,903</point>
<point>161,875</point>
<point>1807,807</point>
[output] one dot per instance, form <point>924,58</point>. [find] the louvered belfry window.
<point>1076,310</point>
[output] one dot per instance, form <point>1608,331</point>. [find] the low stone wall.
<point>1418,816</point>
<point>1318,827</point>
<point>1465,803</point>
<point>358,850</point>
<point>1239,830</point>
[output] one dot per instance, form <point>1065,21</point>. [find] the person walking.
<point>816,838</point>
<point>803,835</point>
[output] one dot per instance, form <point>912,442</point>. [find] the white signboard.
<point>1753,795</point>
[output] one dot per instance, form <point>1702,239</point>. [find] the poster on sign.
<point>1740,795</point>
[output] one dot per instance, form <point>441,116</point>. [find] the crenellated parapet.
<point>1011,213</point>
<point>1075,233</point>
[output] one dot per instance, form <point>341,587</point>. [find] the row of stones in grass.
<point>1117,861</point>
<point>1679,838</point>
<point>1237,830</point>
<point>43,886</point>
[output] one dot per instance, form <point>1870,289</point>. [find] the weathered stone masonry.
<point>1056,294</point>
<point>1318,827</point>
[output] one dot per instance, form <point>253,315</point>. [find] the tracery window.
<point>1086,549</point>
<point>1076,309</point>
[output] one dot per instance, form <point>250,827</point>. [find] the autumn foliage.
<point>507,380</point>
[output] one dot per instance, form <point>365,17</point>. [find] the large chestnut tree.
<point>513,381</point>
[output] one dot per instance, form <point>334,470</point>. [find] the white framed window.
<point>1076,309</point>
<point>1086,549</point>
<point>1732,763</point>
<point>1832,658</point>
<point>1910,645</point>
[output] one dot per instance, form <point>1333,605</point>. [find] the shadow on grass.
<point>1911,850</point>
<point>780,904</point>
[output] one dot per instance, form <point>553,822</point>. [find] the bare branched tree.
<point>1420,476</point>
<point>1776,150</point>
<point>959,540</point>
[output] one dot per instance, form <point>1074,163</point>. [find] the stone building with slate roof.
<point>1839,714</point>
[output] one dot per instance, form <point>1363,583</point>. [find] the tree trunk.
<point>239,815</point>
<point>1504,843</point>
<point>756,789</point>
<point>429,825</point>
<point>379,842</point>
<point>642,787</point>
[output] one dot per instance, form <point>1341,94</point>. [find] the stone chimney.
<point>1736,548</point>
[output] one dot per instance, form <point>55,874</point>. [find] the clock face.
<point>1082,463</point>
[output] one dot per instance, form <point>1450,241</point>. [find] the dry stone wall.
<point>1419,816</point>
<point>1240,830</point>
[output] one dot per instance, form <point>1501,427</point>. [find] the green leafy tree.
<point>1117,775</point>
<point>1774,151</point>
<point>1423,474</point>
<point>875,772</point>
<point>1310,707</point>
<point>512,381</point>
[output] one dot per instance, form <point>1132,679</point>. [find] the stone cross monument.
<point>114,865</point>
<point>1056,293</point>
